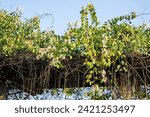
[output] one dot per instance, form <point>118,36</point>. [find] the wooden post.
<point>3,90</point>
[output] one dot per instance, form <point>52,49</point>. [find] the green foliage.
<point>101,44</point>
<point>17,36</point>
<point>104,44</point>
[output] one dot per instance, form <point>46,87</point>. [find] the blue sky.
<point>65,11</point>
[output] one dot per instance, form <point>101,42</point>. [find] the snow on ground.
<point>58,94</point>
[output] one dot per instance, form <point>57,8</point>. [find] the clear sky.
<point>65,11</point>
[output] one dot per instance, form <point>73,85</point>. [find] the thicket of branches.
<point>115,54</point>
